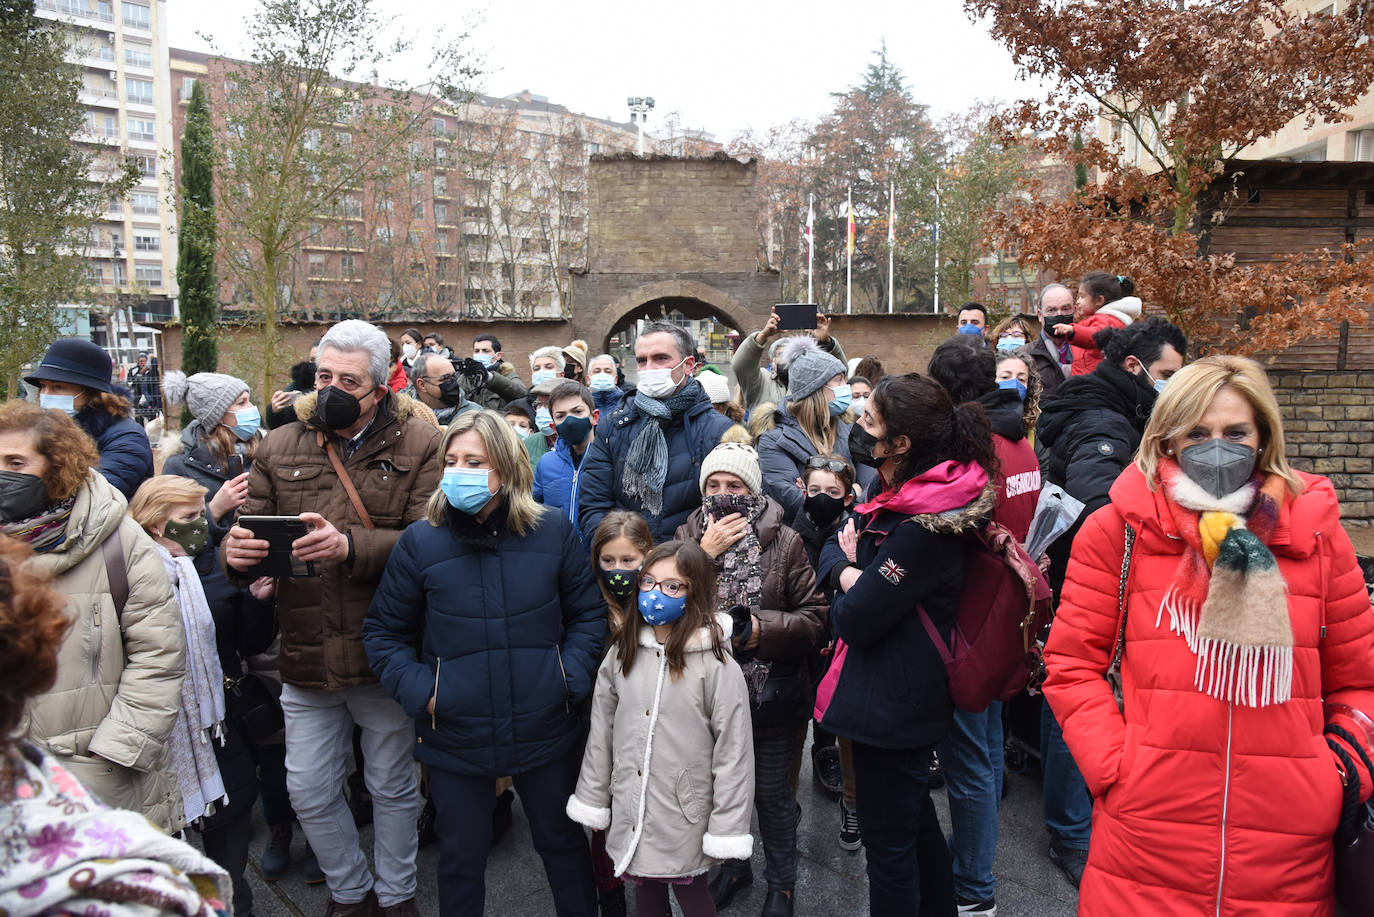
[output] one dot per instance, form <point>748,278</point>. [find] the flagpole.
<point>891,241</point>
<point>937,244</point>
<point>810,242</point>
<point>849,248</point>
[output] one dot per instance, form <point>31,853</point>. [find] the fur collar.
<point>1186,493</point>
<point>963,519</point>
<point>701,640</point>
<point>1127,308</point>
<point>401,405</point>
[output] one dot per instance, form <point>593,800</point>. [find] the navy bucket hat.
<point>76,361</point>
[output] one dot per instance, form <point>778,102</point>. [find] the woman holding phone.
<point>216,448</point>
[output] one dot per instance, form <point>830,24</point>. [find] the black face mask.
<point>780,373</point>
<point>21,496</point>
<point>1053,320</point>
<point>336,409</point>
<point>861,444</point>
<point>451,392</point>
<point>823,508</point>
<point>620,583</point>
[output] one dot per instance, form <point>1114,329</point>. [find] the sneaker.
<point>611,902</point>
<point>985,908</point>
<point>276,859</point>
<point>825,768</point>
<point>1070,861</point>
<point>850,837</point>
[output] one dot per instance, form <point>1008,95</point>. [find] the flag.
<point>849,236</point>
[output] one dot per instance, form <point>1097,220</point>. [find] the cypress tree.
<point>196,248</point>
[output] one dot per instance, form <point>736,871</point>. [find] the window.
<point>346,265</point>
<point>1362,146</point>
<point>313,232</point>
<point>140,129</point>
<point>440,126</point>
<point>441,213</point>
<point>441,242</point>
<point>417,149</point>
<point>148,274</point>
<point>120,276</point>
<point>144,202</point>
<point>352,207</point>
<point>116,241</point>
<point>147,242</point>
<point>345,139</point>
<point>188,85</point>
<point>440,156</point>
<point>138,56</point>
<point>418,210</point>
<point>95,273</point>
<point>475,213</point>
<point>385,205</point>
<point>114,204</point>
<point>383,233</point>
<point>440,186</point>
<point>136,15</point>
<point>312,139</point>
<point>111,128</point>
<point>146,163</point>
<point>317,265</point>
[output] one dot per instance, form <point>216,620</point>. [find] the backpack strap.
<point>116,571</point>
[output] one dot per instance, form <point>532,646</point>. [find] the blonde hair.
<point>813,416</point>
<point>737,433</point>
<point>156,497</point>
<point>1188,395</point>
<point>508,458</point>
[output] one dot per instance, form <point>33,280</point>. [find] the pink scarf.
<point>947,486</point>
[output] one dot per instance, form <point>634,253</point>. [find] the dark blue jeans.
<point>464,807</point>
<point>1068,804</point>
<point>971,758</point>
<point>908,858</point>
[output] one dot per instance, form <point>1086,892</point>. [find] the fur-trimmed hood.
<point>700,642</point>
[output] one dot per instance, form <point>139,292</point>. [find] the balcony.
<point>76,9</point>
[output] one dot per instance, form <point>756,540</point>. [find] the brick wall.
<point>902,342</point>
<point>1327,426</point>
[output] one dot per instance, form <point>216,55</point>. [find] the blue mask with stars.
<point>657,608</point>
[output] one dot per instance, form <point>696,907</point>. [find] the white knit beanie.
<point>737,459</point>
<point>717,387</point>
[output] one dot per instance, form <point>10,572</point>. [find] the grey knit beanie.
<point>809,372</point>
<point>737,459</point>
<point>208,395</point>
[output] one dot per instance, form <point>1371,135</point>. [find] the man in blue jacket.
<point>646,455</point>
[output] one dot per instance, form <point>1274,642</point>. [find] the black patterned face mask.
<point>718,506</point>
<point>620,583</point>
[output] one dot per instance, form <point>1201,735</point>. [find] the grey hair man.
<point>646,454</point>
<point>357,466</point>
<point>1053,358</point>
<point>603,379</point>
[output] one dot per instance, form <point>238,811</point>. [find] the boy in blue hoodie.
<point>574,413</point>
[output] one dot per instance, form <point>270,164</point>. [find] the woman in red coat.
<point>1215,792</point>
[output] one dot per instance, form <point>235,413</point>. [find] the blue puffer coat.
<point>553,478</point>
<point>126,456</point>
<point>690,436</point>
<point>783,452</point>
<point>510,630</point>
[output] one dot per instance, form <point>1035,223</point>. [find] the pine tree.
<point>196,247</point>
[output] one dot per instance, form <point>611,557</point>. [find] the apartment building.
<point>121,46</point>
<point>485,221</point>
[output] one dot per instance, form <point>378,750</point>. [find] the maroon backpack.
<point>1003,604</point>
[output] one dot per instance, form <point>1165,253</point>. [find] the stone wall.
<point>1327,426</point>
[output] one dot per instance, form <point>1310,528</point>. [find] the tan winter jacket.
<point>673,785</point>
<point>395,471</point>
<point>118,689</point>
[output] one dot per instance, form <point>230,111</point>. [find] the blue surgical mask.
<point>840,403</point>
<point>540,376</point>
<point>1015,385</point>
<point>247,421</point>
<point>486,359</point>
<point>602,382</point>
<point>1157,383</point>
<point>467,489</point>
<point>1010,343</point>
<point>971,329</point>
<point>544,421</point>
<point>657,608</point>
<point>65,403</point>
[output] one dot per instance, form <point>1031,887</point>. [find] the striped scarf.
<point>44,531</point>
<point>1227,598</point>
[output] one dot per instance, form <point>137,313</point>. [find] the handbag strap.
<point>1121,597</point>
<point>347,484</point>
<point>116,571</point>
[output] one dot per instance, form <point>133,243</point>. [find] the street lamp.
<point>640,106</point>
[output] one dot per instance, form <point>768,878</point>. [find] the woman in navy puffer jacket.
<point>497,594</point>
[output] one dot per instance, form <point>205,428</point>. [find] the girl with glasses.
<point>668,770</point>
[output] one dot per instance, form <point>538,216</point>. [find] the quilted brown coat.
<point>395,471</point>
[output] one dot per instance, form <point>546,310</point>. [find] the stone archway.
<point>688,296</point>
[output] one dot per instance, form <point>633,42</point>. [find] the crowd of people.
<point>634,604</point>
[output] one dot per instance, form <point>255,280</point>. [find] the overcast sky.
<point>725,67</point>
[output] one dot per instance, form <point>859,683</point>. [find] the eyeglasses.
<point>439,380</point>
<point>669,587</point>
<point>832,465</point>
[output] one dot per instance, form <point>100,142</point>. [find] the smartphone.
<point>796,316</point>
<point>280,532</point>
<point>235,465</point>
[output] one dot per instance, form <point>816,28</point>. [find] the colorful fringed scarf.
<point>1227,598</point>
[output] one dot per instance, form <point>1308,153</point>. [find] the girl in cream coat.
<point>669,766</point>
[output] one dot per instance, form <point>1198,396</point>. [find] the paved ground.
<point>831,881</point>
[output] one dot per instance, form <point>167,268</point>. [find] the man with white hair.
<point>1053,358</point>
<point>357,466</point>
<point>759,385</point>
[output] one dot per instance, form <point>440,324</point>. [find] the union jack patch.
<point>892,572</point>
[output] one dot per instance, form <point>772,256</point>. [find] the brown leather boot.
<point>406,908</point>
<point>364,908</point>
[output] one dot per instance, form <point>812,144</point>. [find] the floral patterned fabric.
<point>62,851</point>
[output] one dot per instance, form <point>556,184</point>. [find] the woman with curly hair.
<point>61,849</point>
<point>118,691</point>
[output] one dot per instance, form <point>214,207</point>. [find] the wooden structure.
<point>1282,208</point>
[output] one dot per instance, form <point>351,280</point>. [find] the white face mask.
<point>408,351</point>
<point>658,383</point>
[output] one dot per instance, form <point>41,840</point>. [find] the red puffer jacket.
<point>1202,807</point>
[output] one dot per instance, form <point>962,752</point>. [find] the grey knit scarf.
<point>646,464</point>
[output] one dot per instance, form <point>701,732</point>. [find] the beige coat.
<point>673,786</point>
<point>118,689</point>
